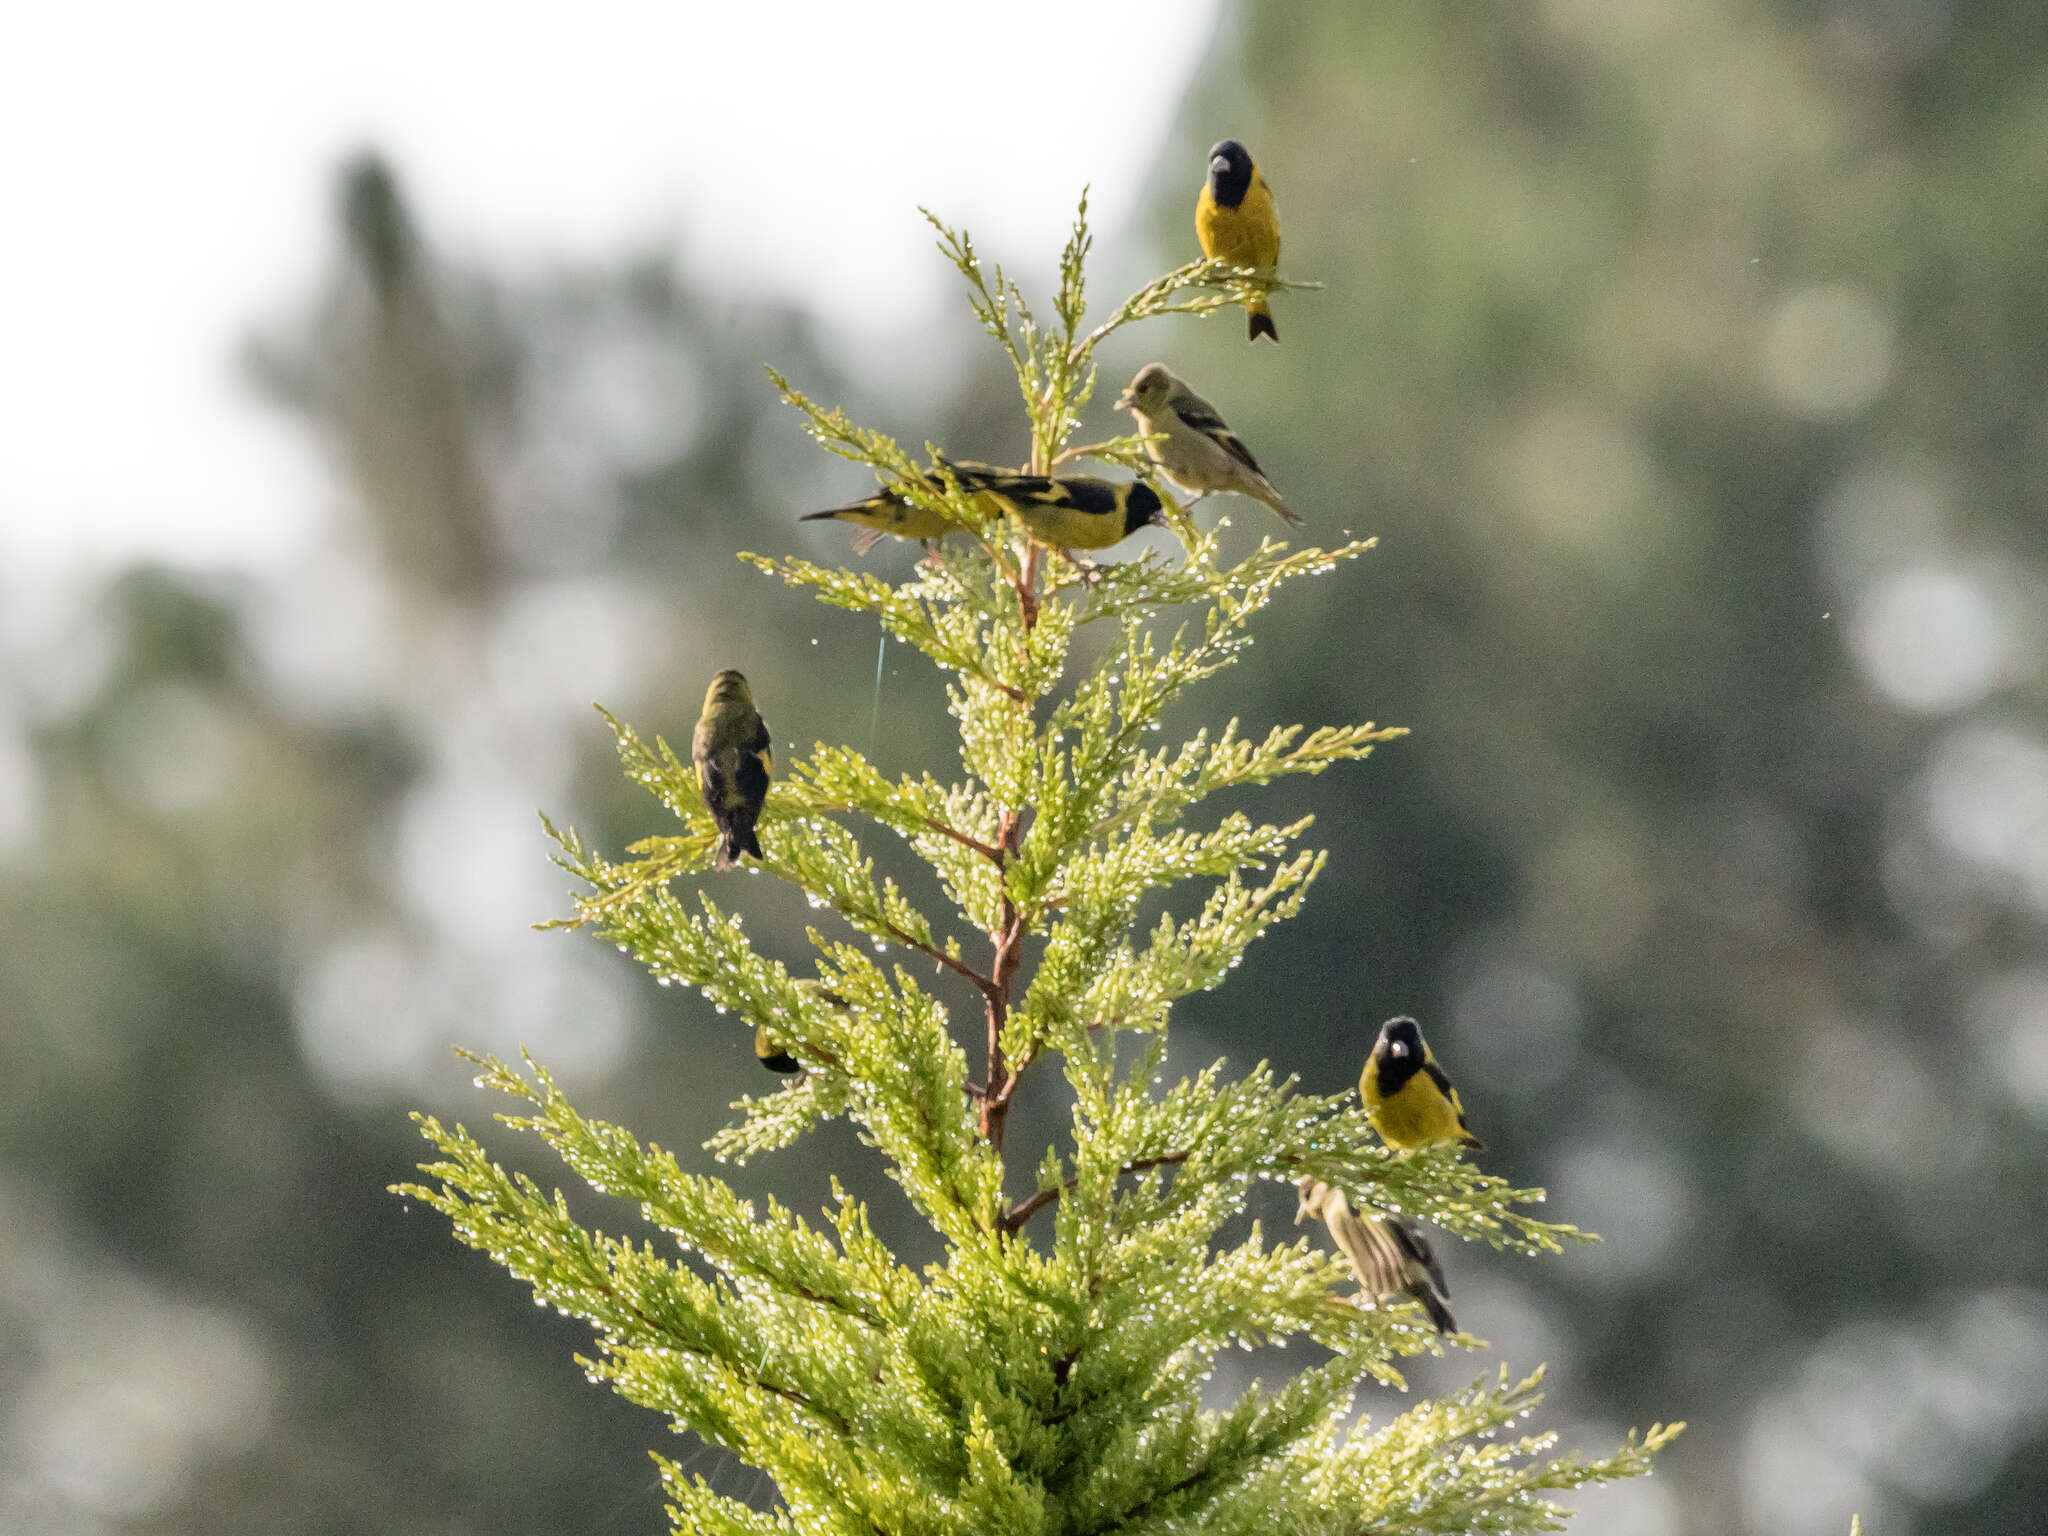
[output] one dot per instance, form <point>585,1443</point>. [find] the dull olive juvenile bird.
<point>730,747</point>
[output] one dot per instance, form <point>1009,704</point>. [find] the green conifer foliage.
<point>1048,1375</point>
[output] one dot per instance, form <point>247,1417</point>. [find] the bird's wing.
<point>1409,1239</point>
<point>1443,1083</point>
<point>1371,1252</point>
<point>1198,415</point>
<point>1090,495</point>
<point>750,774</point>
<point>700,750</point>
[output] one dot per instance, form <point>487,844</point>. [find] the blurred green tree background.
<point>1692,365</point>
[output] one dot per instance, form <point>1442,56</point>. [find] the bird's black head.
<point>1230,173</point>
<point>1400,1040</point>
<point>1142,508</point>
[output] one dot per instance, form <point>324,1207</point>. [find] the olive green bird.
<point>1388,1254</point>
<point>731,750</point>
<point>1408,1099</point>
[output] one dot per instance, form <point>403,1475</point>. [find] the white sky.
<point>168,171</point>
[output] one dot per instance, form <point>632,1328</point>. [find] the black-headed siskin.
<point>1236,222</point>
<point>1198,451</point>
<point>1388,1254</point>
<point>1064,511</point>
<point>1075,511</point>
<point>1409,1100</point>
<point>731,750</point>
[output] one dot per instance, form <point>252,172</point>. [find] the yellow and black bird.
<point>1198,450</point>
<point>1388,1254</point>
<point>1409,1100</point>
<point>1236,222</point>
<point>1064,511</point>
<point>731,750</point>
<point>1076,511</point>
<point>772,1054</point>
<point>890,511</point>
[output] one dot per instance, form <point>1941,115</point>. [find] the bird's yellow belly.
<point>1416,1119</point>
<point>1244,236</point>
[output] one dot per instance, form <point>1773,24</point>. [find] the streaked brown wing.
<point>1408,1237</point>
<point>1202,417</point>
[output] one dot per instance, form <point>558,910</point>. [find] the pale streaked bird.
<point>1199,450</point>
<point>1388,1254</point>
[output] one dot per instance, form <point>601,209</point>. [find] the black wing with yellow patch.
<point>1443,1083</point>
<point>1086,494</point>
<point>771,1054</point>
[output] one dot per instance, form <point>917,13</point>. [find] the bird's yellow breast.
<point>1418,1115</point>
<point>1245,236</point>
<point>1069,528</point>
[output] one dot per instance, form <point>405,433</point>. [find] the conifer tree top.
<point>1051,1373</point>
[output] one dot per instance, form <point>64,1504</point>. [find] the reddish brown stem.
<point>1008,937</point>
<point>1024,1210</point>
<point>994,855</point>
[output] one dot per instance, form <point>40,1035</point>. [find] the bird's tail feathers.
<point>1259,322</point>
<point>1271,498</point>
<point>1432,1303</point>
<point>1471,1143</point>
<point>738,838</point>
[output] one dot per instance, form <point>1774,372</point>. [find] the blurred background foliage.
<point>1689,363</point>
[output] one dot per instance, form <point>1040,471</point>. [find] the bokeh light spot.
<point>1929,639</point>
<point>1827,351</point>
